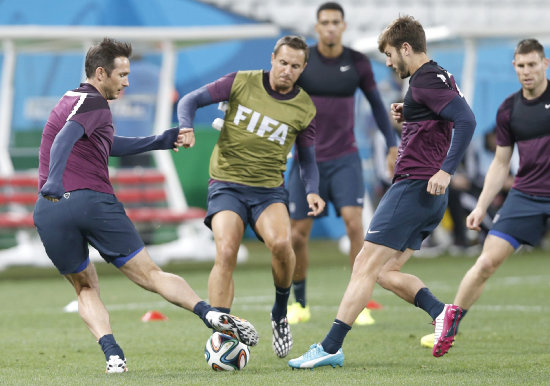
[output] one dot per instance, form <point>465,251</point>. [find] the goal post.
<point>164,40</point>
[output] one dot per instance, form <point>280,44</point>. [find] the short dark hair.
<point>403,29</point>
<point>331,6</point>
<point>293,41</point>
<point>104,54</point>
<point>527,46</point>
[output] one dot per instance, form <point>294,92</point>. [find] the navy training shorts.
<point>340,182</point>
<point>81,217</point>
<point>406,215</point>
<point>522,217</point>
<point>247,201</point>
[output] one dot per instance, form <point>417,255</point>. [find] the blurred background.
<point>180,45</point>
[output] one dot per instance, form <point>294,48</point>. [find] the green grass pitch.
<point>503,339</point>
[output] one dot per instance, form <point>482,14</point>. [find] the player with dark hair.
<point>77,206</point>
<point>266,114</point>
<point>333,75</point>
<point>415,203</point>
<point>523,119</point>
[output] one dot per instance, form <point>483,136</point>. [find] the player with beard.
<point>332,76</point>
<point>77,205</point>
<point>415,203</point>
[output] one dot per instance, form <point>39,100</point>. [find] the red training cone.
<point>374,305</point>
<point>153,315</point>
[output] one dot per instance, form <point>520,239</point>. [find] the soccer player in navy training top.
<point>414,205</point>
<point>523,119</point>
<point>332,76</point>
<point>77,206</point>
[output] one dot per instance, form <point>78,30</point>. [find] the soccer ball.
<point>225,353</point>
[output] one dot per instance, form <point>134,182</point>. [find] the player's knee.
<point>83,281</point>
<point>383,280</point>
<point>281,248</point>
<point>486,266</point>
<point>299,239</point>
<point>227,251</point>
<point>225,264</point>
<point>226,257</point>
<point>354,229</point>
<point>388,279</point>
<point>81,287</point>
<point>363,266</point>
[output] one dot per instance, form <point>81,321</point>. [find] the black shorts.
<point>522,217</point>
<point>81,217</point>
<point>340,182</point>
<point>247,201</point>
<point>406,215</point>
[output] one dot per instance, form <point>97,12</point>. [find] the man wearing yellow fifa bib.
<point>267,113</point>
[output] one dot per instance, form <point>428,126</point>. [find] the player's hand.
<point>316,204</point>
<point>390,160</point>
<point>52,191</point>
<point>186,138</point>
<point>474,219</point>
<point>437,185</point>
<point>396,110</point>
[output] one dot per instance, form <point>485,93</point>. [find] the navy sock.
<point>110,347</point>
<point>201,309</point>
<point>463,315</point>
<point>300,292</point>
<point>225,310</point>
<point>335,337</point>
<point>281,300</point>
<point>428,302</point>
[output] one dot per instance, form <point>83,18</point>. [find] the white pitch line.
<point>511,307</point>
<point>260,303</point>
<point>265,302</point>
<point>521,280</point>
<point>163,304</point>
<point>488,308</point>
<point>498,282</point>
<point>137,306</point>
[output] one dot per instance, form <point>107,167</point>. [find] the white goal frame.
<point>194,240</point>
<point>18,39</point>
<point>470,36</point>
